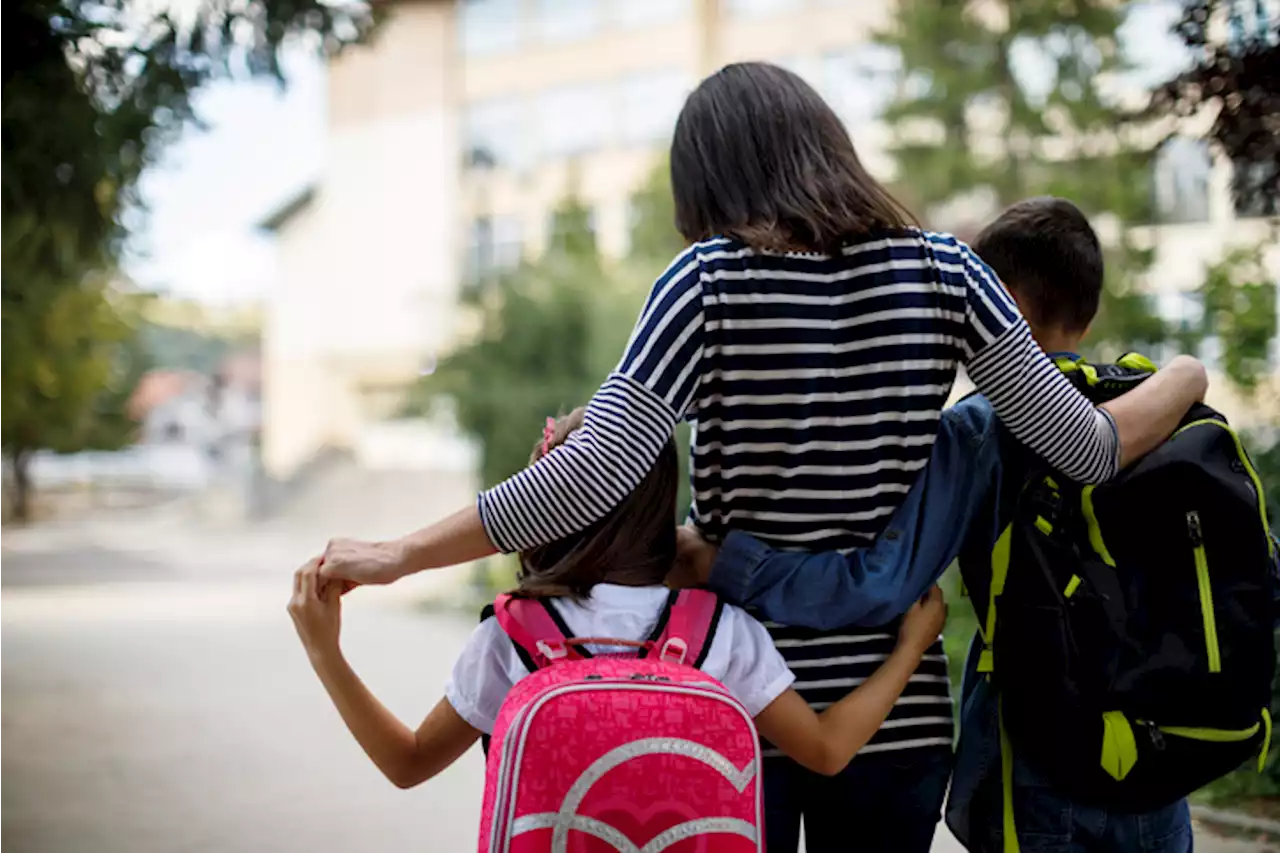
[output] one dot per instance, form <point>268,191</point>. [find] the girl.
<point>606,581</point>
<point>812,333</point>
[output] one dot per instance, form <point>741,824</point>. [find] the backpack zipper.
<point>1211,735</point>
<point>1206,735</point>
<point>1249,469</point>
<point>1196,532</point>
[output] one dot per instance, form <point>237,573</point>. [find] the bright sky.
<point>263,144</point>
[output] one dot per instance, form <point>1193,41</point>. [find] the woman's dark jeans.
<point>886,802</point>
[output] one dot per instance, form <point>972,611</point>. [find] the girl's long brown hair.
<point>633,545</point>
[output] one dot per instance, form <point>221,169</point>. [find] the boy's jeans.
<point>1047,822</point>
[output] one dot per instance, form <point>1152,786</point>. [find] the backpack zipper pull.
<point>1157,736</point>
<point>1194,530</point>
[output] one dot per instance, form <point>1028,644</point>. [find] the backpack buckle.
<point>552,651</point>
<point>674,650</point>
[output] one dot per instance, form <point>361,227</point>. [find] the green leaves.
<point>1236,78</point>
<point>549,332</point>
<point>1239,299</point>
<point>92,91</point>
<point>1002,99</point>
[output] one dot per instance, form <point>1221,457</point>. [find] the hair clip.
<point>548,435</point>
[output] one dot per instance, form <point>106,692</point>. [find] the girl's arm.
<point>626,425</point>
<point>404,756</point>
<point>1088,443</point>
<point>826,742</point>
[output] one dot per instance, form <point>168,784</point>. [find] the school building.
<point>453,135</point>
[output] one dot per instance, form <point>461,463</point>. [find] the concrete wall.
<point>367,282</point>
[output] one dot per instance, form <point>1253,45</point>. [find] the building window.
<point>496,136</point>
<point>1181,181</point>
<point>649,13</point>
<point>650,105</point>
<point>569,20</point>
<point>490,26</point>
<point>574,120</point>
<point>494,246</point>
<point>1249,181</point>
<point>748,8</point>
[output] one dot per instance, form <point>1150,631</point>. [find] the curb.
<point>1235,820</point>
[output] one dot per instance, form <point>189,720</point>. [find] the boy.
<point>1049,258</point>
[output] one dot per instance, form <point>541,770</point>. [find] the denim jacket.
<point>872,586</point>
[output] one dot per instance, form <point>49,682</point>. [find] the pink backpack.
<point>633,753</point>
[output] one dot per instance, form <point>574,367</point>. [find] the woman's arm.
<point>1149,414</point>
<point>826,742</point>
<point>626,425</point>
<point>1089,444</point>
<point>404,756</point>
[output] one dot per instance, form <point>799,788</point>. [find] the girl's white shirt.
<point>741,657</point>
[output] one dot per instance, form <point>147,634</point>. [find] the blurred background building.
<point>458,130</point>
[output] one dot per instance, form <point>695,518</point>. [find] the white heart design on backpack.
<point>567,818</point>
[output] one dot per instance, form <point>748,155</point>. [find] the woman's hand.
<point>923,622</point>
<point>316,609</point>
<point>365,562</point>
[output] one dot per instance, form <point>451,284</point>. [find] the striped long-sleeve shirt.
<point>815,385</point>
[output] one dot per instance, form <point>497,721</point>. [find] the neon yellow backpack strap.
<point>1119,747</point>
<point>999,572</point>
<point>1266,740</point>
<point>1008,826</point>
<point>1136,361</point>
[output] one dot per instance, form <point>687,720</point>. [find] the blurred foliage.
<point>1239,310</point>
<point>550,331</point>
<point>1237,77</point>
<point>92,90</point>
<point>67,376</point>
<point>966,124</point>
<point>176,348</point>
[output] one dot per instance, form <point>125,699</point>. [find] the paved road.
<point>153,705</point>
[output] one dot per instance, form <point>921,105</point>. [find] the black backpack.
<point>1128,627</point>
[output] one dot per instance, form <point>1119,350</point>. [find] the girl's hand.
<point>316,608</point>
<point>923,622</point>
<point>364,562</point>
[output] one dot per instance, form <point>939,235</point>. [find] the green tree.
<point>92,90</point>
<point>544,343</point>
<point>549,332</point>
<point>66,380</point>
<point>1236,77</point>
<point>1002,100</point>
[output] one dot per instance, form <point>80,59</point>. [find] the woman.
<point>812,333</point>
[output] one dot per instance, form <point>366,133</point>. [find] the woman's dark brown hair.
<point>759,156</point>
<point>633,545</point>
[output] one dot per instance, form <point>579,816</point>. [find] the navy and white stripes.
<point>815,385</point>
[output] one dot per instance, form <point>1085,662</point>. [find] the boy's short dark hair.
<point>1047,254</point>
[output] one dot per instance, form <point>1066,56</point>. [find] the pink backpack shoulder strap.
<point>691,620</point>
<point>536,630</point>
